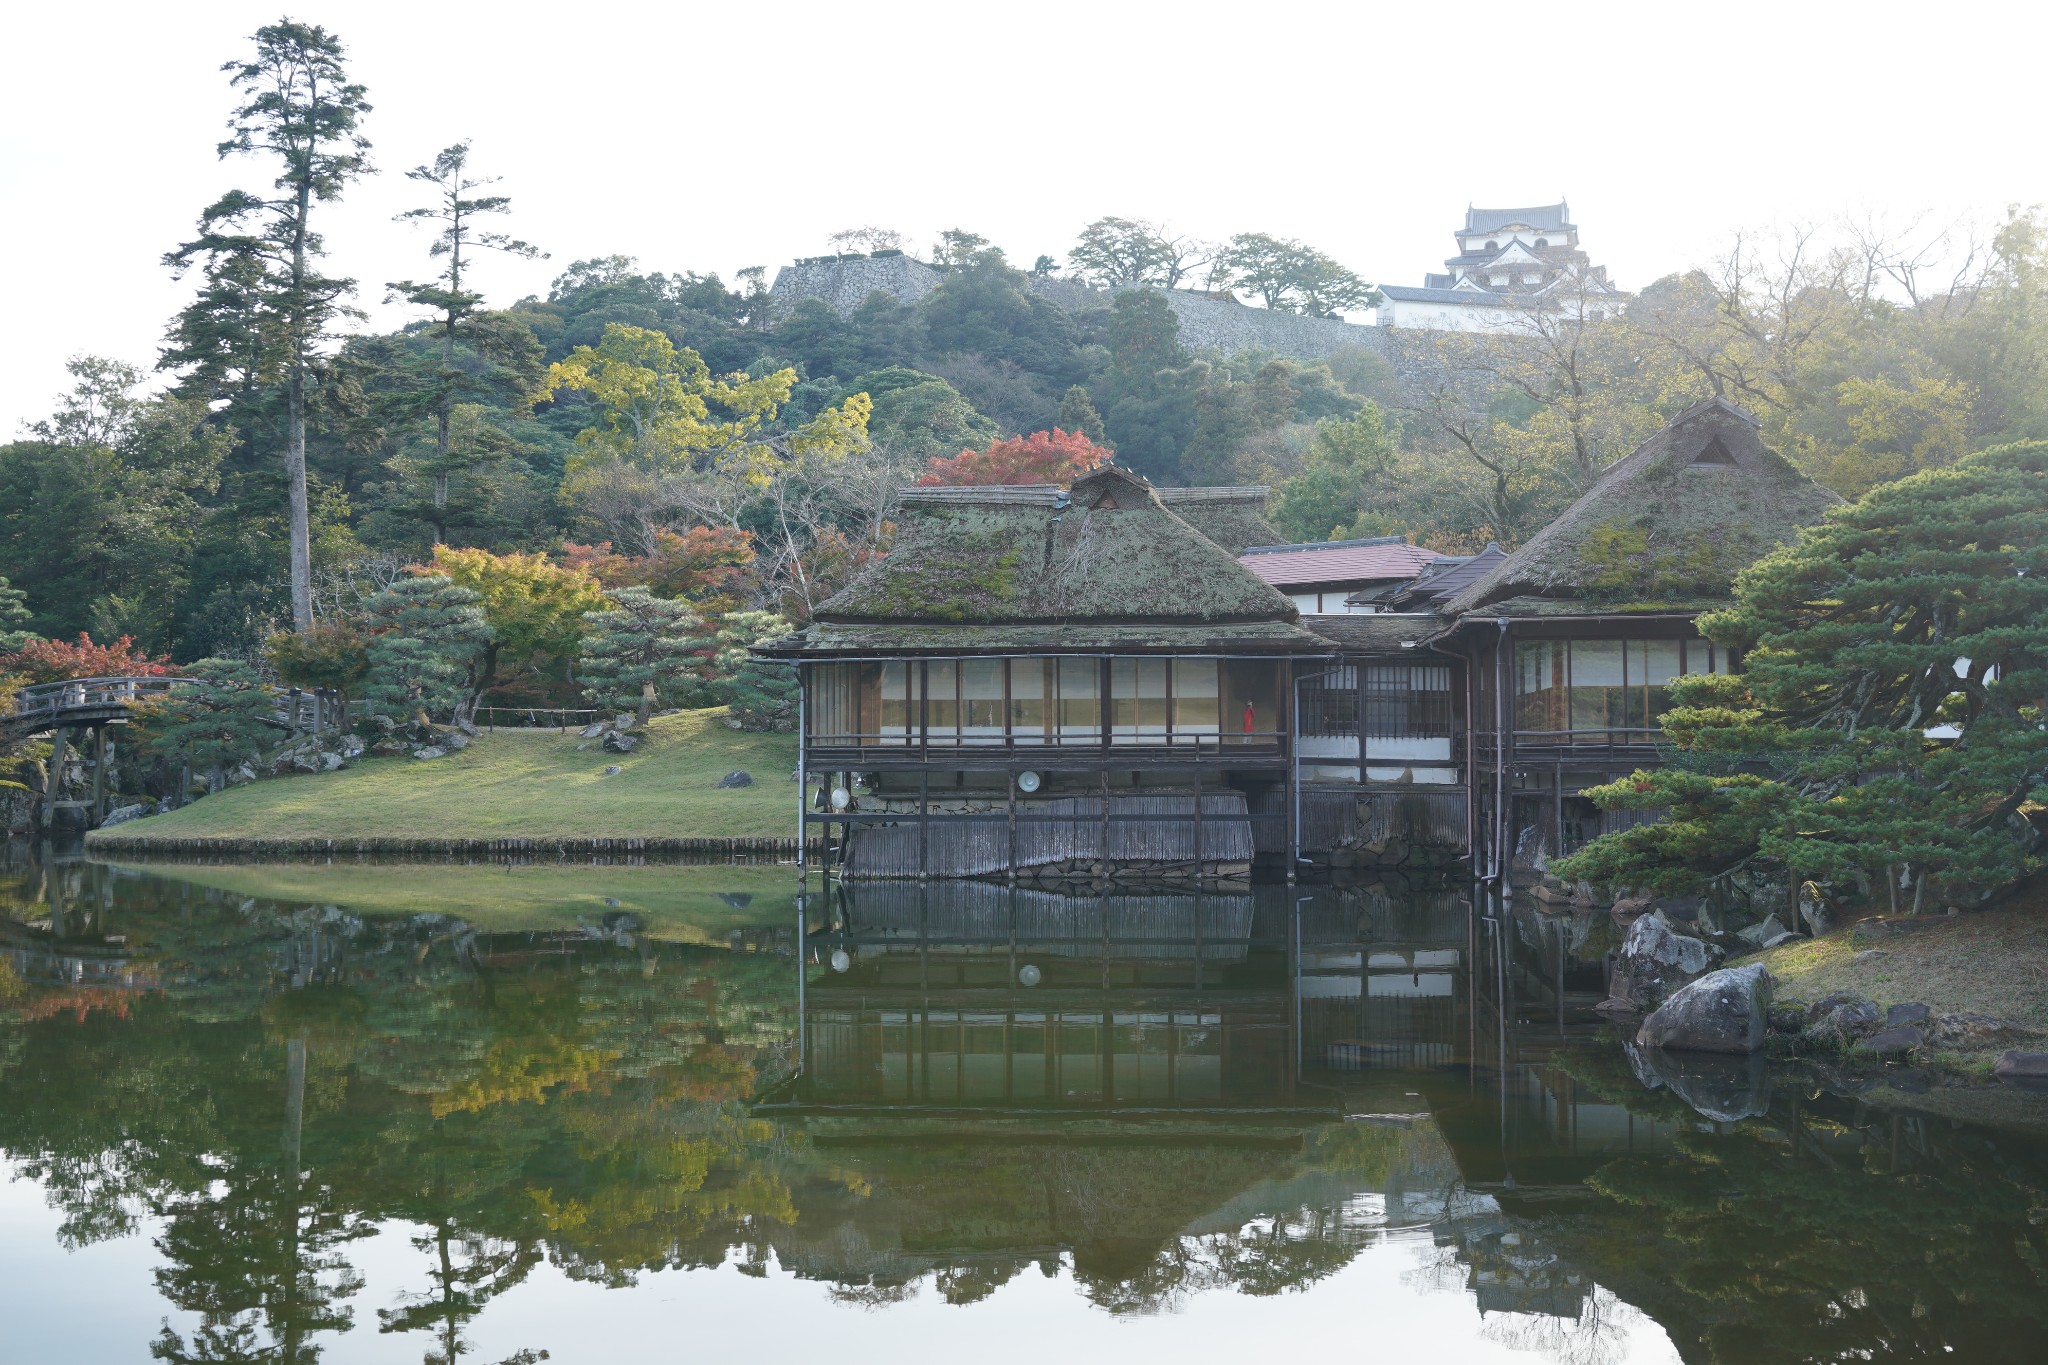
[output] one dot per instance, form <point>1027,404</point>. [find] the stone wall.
<point>1206,324</point>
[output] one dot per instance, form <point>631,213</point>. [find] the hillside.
<point>513,785</point>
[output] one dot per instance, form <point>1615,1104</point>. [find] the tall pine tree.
<point>265,310</point>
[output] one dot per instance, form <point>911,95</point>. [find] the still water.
<point>384,1114</point>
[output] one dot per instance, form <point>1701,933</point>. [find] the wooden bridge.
<point>91,705</point>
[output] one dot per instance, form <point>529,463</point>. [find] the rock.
<point>351,747</point>
<point>1629,909</point>
<point>332,762</point>
<point>737,779</point>
<point>623,721</point>
<point>1910,1013</point>
<point>1723,1011</point>
<point>732,722</point>
<point>1968,1032</point>
<point>613,770</point>
<point>390,748</point>
<point>242,775</point>
<point>1723,1089</point>
<point>455,741</point>
<point>1789,1017</point>
<point>594,729</point>
<point>1891,1042</point>
<point>430,751</point>
<point>2021,1066</point>
<point>1840,1020</point>
<point>468,728</point>
<point>617,743</point>
<point>1884,928</point>
<point>1869,955</point>
<point>1816,915</point>
<point>121,815</point>
<point>1768,934</point>
<point>1654,962</point>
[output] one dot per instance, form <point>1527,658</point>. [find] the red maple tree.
<point>709,566</point>
<point>42,661</point>
<point>1054,456</point>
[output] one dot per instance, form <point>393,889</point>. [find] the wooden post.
<point>924,823</point>
<point>1198,824</point>
<point>99,774</point>
<point>1011,806</point>
<point>55,789</point>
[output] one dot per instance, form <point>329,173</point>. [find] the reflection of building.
<point>1511,263</point>
<point>981,998</point>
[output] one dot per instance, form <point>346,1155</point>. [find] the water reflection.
<point>347,1135</point>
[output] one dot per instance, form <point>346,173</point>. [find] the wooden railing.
<point>88,700</point>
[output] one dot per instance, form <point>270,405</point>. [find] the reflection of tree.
<point>468,1272</point>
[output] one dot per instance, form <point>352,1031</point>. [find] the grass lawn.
<point>1990,962</point>
<point>683,904</point>
<point>520,784</point>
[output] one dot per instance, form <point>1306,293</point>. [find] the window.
<point>1407,701</point>
<point>1137,701</point>
<point>942,711</point>
<point>1028,688</point>
<point>1329,703</point>
<point>1195,700</point>
<point>1080,700</point>
<point>898,708</point>
<point>981,701</point>
<point>1604,691</point>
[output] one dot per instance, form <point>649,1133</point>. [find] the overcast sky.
<point>715,137</point>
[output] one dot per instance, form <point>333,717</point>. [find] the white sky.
<point>714,137</point>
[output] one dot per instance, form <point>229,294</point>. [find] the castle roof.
<point>1101,565</point>
<point>1546,217</point>
<point>1666,526</point>
<point>1337,561</point>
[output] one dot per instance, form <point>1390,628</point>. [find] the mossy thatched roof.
<point>1028,556</point>
<point>1672,521</point>
<point>1233,517</point>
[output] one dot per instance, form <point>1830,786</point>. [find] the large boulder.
<point>1653,963</point>
<point>617,742</point>
<point>121,815</point>
<point>1970,1032</point>
<point>736,779</point>
<point>1724,1011</point>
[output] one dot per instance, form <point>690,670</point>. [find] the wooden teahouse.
<point>1571,642</point>
<point>1050,683</point>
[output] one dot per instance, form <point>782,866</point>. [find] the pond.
<point>365,1113</point>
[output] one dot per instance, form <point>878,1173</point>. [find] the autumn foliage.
<point>41,661</point>
<point>709,566</point>
<point>1054,456</point>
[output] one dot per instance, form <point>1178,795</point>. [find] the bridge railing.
<point>297,708</point>
<point>75,694</point>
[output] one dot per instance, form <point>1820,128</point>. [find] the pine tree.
<point>425,633</point>
<point>455,208</point>
<point>1078,414</point>
<point>225,718</point>
<point>14,614</point>
<point>762,695</point>
<point>264,311</point>
<point>1895,681</point>
<point>639,652</point>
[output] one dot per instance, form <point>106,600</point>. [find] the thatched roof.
<point>1035,567</point>
<point>1233,517</point>
<point>1667,525</point>
<point>1377,632</point>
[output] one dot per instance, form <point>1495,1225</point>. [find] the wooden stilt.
<point>99,774</point>
<point>54,789</point>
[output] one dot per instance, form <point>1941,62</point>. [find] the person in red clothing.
<point>1247,717</point>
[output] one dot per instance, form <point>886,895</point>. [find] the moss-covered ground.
<point>521,784</point>
<point>679,903</point>
<point>1988,962</point>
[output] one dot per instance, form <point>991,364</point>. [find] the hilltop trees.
<point>1290,276</point>
<point>265,309</point>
